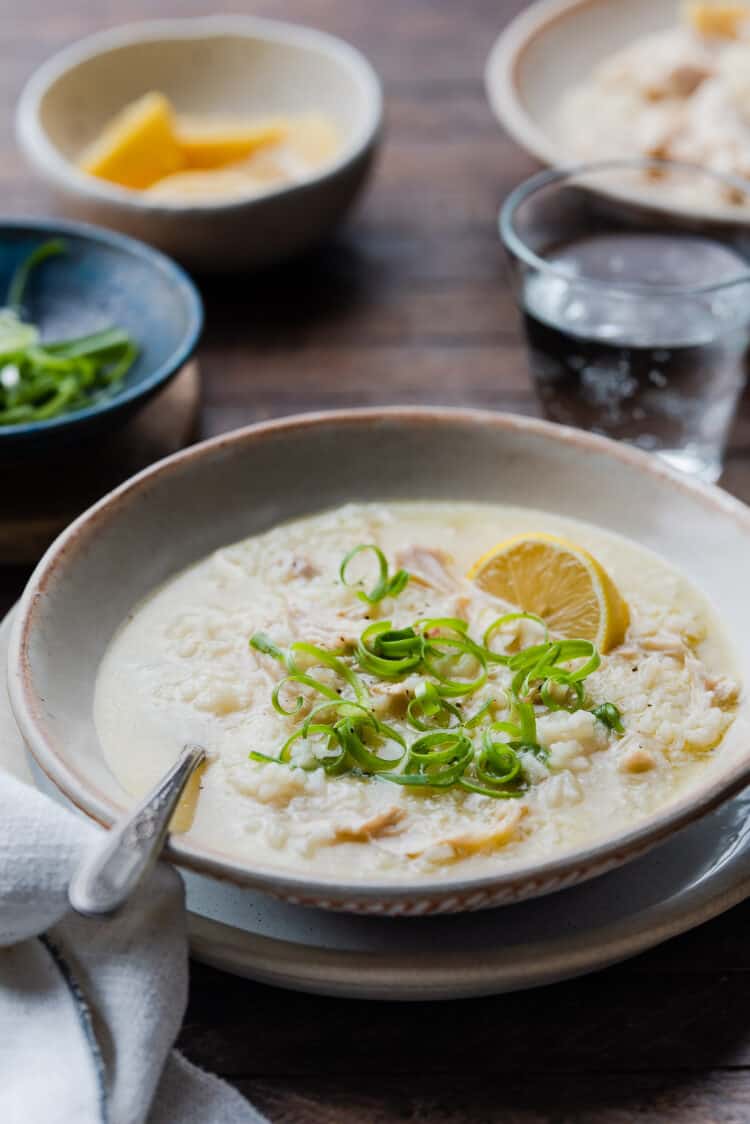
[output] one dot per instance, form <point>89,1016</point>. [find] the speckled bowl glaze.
<point>102,280</point>
<point>234,65</point>
<point>242,483</point>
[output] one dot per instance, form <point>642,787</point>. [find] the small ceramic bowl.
<point>242,483</point>
<point>217,65</point>
<point>102,280</point>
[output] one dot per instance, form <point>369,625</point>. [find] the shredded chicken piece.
<point>462,603</point>
<point>682,80</point>
<point>670,643</point>
<point>636,760</point>
<point>658,131</point>
<point>390,700</point>
<point>297,567</point>
<point>662,643</point>
<point>725,691</point>
<point>662,66</point>
<point>428,566</point>
<point>473,842</point>
<point>381,824</point>
<point>327,630</point>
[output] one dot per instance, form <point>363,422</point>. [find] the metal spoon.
<point>109,875</point>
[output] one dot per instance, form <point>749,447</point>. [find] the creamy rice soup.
<point>679,94</point>
<point>395,717</point>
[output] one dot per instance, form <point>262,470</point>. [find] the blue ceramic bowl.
<point>103,279</point>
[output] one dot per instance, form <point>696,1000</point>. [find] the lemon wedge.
<point>138,147</point>
<point>219,183</point>
<point>214,142</point>
<point>560,582</point>
<point>720,21</point>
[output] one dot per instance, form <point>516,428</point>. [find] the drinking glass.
<point>633,280</point>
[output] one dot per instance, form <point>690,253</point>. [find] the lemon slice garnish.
<point>560,582</point>
<point>138,146</point>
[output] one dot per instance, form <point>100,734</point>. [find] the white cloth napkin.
<point>89,1009</point>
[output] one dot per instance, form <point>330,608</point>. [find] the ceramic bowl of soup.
<point>215,68</point>
<point>331,605</point>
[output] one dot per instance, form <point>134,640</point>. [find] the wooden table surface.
<point>409,303</point>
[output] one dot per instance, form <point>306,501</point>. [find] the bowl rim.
<point>553,873</point>
<point>157,261</point>
<point>37,145</point>
<point>576,175</point>
<point>501,69</point>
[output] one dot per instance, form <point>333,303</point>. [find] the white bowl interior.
<point>567,47</point>
<point>176,514</point>
<point>207,69</point>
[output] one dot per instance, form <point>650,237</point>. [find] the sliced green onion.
<point>20,279</point>
<point>496,771</point>
<point>388,652</point>
<point>263,643</point>
<point>435,760</point>
<point>108,339</point>
<point>499,657</point>
<point>580,649</point>
<point>433,629</point>
<point>497,762</point>
<point>339,708</point>
<point>40,381</point>
<point>610,715</point>
<point>327,659</point>
<point>447,753</point>
<point>573,689</point>
<point>387,585</point>
<point>332,763</point>
<point>15,336</point>
<point>349,732</point>
<point>429,703</point>
<point>304,681</point>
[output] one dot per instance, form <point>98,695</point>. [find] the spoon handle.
<point>108,876</point>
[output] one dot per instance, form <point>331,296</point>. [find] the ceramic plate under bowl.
<point>245,482</point>
<point>549,48</point>
<point>102,280</point>
<point>699,874</point>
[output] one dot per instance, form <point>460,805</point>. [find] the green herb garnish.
<point>387,585</point>
<point>41,381</point>
<point>610,715</point>
<point>453,749</point>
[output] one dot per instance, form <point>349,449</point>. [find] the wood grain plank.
<point>655,1021</point>
<point>602,1098</point>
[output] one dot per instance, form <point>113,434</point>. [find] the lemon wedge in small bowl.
<point>559,581</point>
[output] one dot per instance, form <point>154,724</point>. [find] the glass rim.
<point>516,245</point>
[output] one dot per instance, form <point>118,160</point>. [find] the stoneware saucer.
<point>699,874</point>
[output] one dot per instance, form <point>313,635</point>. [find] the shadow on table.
<point>281,305</point>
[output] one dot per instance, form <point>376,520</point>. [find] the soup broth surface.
<point>181,669</point>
